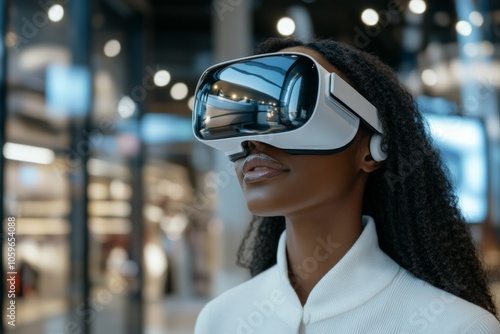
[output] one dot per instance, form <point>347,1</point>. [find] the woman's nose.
<point>255,146</point>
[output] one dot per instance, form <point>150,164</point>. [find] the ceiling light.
<point>55,13</point>
<point>429,77</point>
<point>369,17</point>
<point>417,6</point>
<point>126,107</point>
<point>112,48</point>
<point>464,28</point>
<point>26,153</point>
<point>476,18</point>
<point>161,78</point>
<point>179,91</point>
<point>286,26</point>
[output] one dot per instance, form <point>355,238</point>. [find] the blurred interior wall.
<point>232,38</point>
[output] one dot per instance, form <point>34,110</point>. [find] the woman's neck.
<point>317,243</point>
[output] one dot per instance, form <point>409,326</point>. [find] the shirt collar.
<point>361,273</point>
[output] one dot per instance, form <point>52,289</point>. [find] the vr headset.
<point>285,99</point>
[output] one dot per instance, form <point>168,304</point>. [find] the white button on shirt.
<point>365,292</point>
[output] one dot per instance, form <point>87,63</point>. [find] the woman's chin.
<point>262,208</point>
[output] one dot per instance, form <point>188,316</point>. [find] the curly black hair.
<point>411,198</point>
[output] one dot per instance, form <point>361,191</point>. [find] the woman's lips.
<point>260,167</point>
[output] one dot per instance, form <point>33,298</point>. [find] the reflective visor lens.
<point>262,95</point>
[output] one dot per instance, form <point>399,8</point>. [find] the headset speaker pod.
<point>376,148</point>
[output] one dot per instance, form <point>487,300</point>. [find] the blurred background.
<point>124,223</point>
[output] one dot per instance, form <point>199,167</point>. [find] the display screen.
<point>163,128</point>
<point>463,145</point>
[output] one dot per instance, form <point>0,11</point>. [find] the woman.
<point>366,239</point>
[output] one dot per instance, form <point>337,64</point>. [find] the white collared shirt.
<point>365,292</point>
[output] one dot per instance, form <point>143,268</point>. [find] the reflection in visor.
<point>261,95</point>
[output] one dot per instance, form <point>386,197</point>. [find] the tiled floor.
<point>172,315</point>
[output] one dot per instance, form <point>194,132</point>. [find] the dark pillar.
<point>135,322</point>
<point>79,18</point>
<point>3,117</point>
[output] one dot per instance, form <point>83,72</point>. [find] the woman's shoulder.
<point>429,309</point>
<point>261,291</point>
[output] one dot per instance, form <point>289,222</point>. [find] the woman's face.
<point>276,183</point>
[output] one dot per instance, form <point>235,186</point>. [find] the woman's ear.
<point>368,163</point>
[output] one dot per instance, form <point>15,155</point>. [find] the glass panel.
<point>37,187</point>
